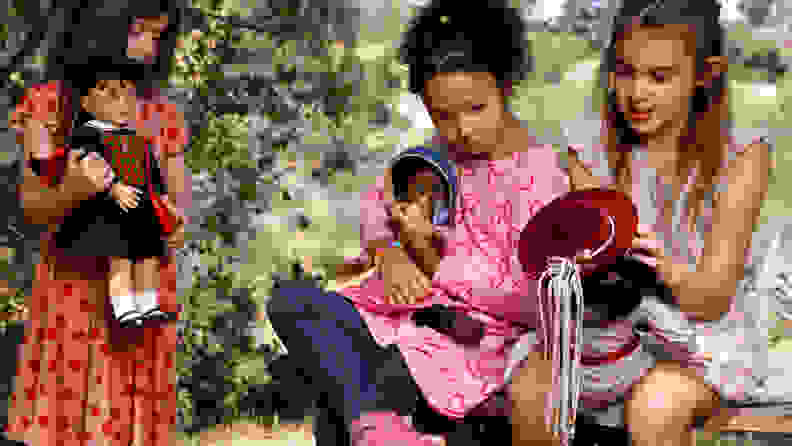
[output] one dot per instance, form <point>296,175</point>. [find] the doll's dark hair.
<point>83,77</point>
<point>477,36</point>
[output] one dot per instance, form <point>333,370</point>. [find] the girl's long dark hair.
<point>99,30</point>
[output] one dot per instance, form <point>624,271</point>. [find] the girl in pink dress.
<point>360,347</point>
<point>664,142</point>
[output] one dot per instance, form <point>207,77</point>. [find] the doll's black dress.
<point>99,226</point>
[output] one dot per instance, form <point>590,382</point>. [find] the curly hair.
<point>478,36</point>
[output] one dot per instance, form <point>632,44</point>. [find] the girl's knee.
<point>669,396</point>
<point>530,383</point>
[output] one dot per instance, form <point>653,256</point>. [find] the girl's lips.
<point>640,116</point>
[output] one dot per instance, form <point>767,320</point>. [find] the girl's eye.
<point>478,107</point>
<point>660,76</point>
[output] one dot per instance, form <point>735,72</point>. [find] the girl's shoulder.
<point>35,98</point>
<point>163,120</point>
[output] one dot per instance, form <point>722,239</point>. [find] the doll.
<point>119,223</point>
<point>426,179</point>
<point>424,186</point>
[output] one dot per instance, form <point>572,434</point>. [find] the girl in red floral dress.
<point>81,380</point>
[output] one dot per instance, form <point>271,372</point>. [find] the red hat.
<point>600,220</point>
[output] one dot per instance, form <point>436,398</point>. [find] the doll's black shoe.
<point>155,314</point>
<point>131,318</point>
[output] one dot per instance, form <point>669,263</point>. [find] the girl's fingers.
<point>395,295</point>
<point>413,293</point>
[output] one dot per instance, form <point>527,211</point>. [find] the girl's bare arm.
<point>42,205</point>
<point>424,253</point>
<point>706,292</point>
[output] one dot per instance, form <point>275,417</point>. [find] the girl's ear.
<point>715,66</point>
<point>508,89</point>
<point>85,102</point>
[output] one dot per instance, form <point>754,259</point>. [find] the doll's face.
<point>111,101</point>
<point>144,35</point>
<point>425,187</point>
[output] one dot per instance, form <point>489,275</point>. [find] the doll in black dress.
<point>119,223</point>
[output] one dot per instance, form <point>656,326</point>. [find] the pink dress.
<point>736,346</point>
<point>478,272</point>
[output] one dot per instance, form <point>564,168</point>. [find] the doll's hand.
<point>126,196</point>
<point>413,219</point>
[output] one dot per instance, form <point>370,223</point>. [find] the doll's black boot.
<point>156,314</point>
<point>131,318</point>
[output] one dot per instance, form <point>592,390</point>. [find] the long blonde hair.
<point>703,141</point>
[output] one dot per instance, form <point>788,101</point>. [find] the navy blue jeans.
<point>340,360</point>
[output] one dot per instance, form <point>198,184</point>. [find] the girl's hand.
<point>648,248</point>
<point>126,196</point>
<point>413,219</point>
<point>405,283</point>
<point>176,239</point>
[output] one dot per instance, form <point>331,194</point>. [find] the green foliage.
<point>223,144</point>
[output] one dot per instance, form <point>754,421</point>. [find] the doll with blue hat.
<point>424,185</point>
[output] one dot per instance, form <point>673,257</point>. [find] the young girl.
<point>76,401</point>
<point>664,145</point>
<point>379,353</point>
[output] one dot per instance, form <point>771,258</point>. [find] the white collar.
<point>104,125</point>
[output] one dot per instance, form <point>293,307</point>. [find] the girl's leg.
<point>527,392</point>
<point>328,340</point>
<point>121,289</point>
<point>665,404</point>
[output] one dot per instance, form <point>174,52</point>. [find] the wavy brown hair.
<point>706,135</point>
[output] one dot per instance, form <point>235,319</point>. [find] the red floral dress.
<point>81,379</point>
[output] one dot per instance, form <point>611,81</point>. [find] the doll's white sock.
<point>147,300</point>
<point>123,304</point>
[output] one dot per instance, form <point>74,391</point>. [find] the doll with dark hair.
<point>120,223</point>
